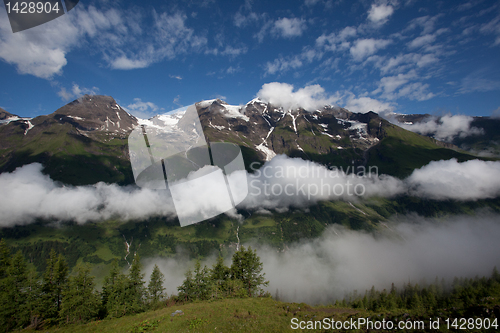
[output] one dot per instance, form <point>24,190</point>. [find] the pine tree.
<point>155,286</point>
<point>54,283</point>
<point>186,290</point>
<point>17,291</point>
<point>247,268</point>
<point>33,297</point>
<point>201,281</point>
<point>136,290</point>
<point>113,292</point>
<point>5,286</point>
<point>219,275</point>
<point>80,301</point>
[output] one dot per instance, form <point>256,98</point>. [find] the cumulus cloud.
<point>469,180</point>
<point>41,51</point>
<point>76,91</point>
<point>278,185</point>
<point>143,109</point>
<point>282,65</point>
<point>363,48</point>
<point>28,194</point>
<point>365,104</point>
<point>411,248</point>
<point>123,43</point>
<point>379,14</point>
<point>289,27</point>
<point>421,41</point>
<point>335,41</point>
<point>285,182</point>
<point>393,87</point>
<point>309,98</point>
<point>445,128</point>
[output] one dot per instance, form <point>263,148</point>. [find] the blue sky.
<point>407,56</point>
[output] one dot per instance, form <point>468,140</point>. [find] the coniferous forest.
<point>58,298</point>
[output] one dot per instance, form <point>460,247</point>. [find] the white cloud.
<point>421,41</point>
<point>363,48</point>
<point>427,23</point>
<point>445,128</point>
<point>282,65</point>
<point>389,84</point>
<point>478,81</point>
<point>232,51</point>
<point>285,182</point>
<point>379,14</point>
<point>142,109</point>
<point>41,51</point>
<point>309,98</point>
<point>334,41</point>
<point>365,104</point>
<point>123,43</point>
<point>469,180</point>
<point>32,194</point>
<point>405,62</point>
<point>416,91</point>
<point>492,27</point>
<point>76,91</point>
<point>279,184</point>
<point>289,27</point>
<point>123,62</point>
<point>409,248</point>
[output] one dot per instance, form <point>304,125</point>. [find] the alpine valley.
<point>85,142</point>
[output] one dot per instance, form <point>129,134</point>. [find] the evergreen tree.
<point>5,311</point>
<point>201,281</point>
<point>80,301</point>
<point>33,297</point>
<point>247,268</point>
<point>219,275</point>
<point>155,286</point>
<point>54,283</point>
<point>17,282</point>
<point>114,297</point>
<point>186,290</point>
<point>136,290</point>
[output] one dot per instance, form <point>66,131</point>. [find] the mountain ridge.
<point>85,141</point>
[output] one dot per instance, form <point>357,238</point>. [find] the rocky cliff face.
<point>271,130</point>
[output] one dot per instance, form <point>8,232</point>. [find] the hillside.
<point>266,314</point>
<point>83,142</point>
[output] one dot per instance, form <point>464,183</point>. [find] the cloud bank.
<point>281,183</point>
<point>412,250</point>
<point>444,128</point>
<point>310,97</point>
<point>28,194</point>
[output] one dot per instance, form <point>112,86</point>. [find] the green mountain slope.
<point>399,152</point>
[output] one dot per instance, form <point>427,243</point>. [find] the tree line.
<point>462,295</point>
<point>55,297</point>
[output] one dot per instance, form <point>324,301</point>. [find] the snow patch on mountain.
<point>30,126</point>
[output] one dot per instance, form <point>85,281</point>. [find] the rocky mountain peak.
<point>5,115</point>
<point>96,113</point>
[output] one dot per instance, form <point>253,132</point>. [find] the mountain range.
<point>85,141</point>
